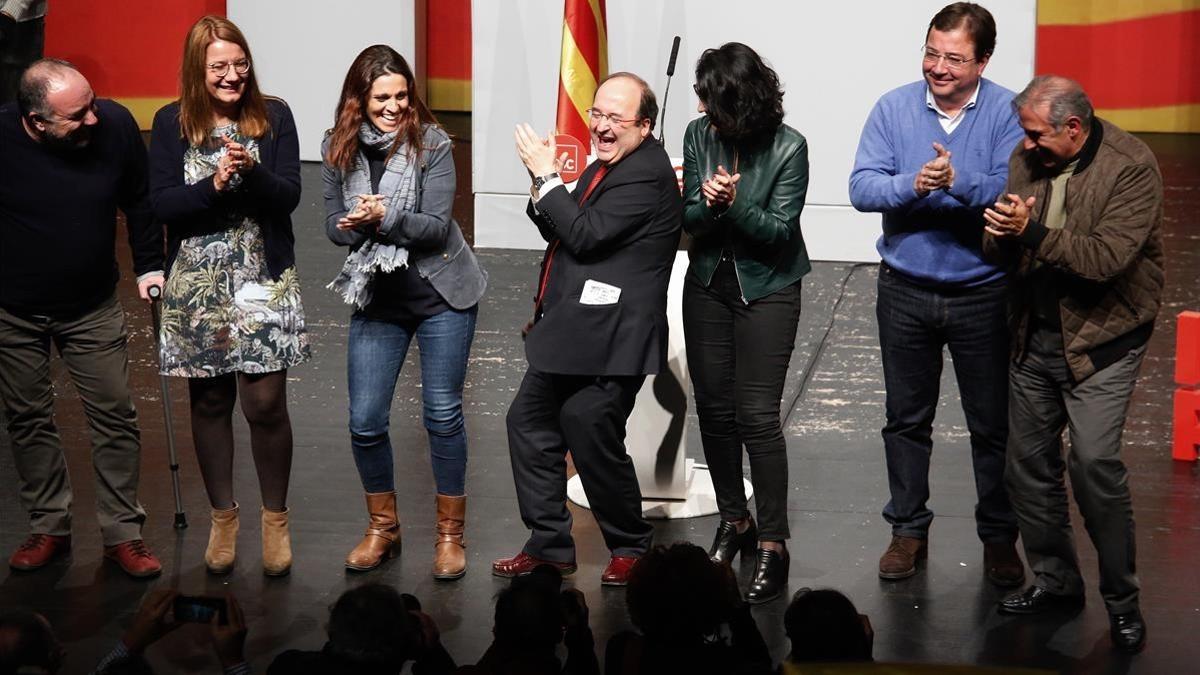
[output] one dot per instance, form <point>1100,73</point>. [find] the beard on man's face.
<point>76,139</point>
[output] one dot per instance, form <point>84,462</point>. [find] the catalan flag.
<point>1137,59</point>
<point>583,64</point>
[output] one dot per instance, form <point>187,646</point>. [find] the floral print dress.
<point>222,312</point>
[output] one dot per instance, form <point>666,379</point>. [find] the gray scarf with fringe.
<point>398,188</point>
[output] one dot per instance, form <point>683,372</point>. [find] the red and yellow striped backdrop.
<point>448,54</point>
<point>129,51</point>
<point>1137,59</point>
<point>584,62</point>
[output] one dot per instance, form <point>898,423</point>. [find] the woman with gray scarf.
<point>389,185</point>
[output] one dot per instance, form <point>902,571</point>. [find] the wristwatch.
<point>539,181</point>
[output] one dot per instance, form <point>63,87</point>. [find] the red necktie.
<point>548,260</point>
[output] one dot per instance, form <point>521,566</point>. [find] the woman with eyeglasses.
<point>225,177</point>
<point>745,174</point>
<point>389,186</point>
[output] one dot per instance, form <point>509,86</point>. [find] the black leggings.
<point>264,403</point>
<point>738,357</point>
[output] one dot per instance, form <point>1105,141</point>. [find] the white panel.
<point>508,226</point>
<point>834,59</point>
<point>840,233</point>
<point>303,48</point>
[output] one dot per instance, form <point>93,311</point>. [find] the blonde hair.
<point>195,104</point>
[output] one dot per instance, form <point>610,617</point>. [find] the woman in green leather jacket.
<point>745,175</point>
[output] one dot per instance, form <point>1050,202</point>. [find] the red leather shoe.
<point>38,550</point>
<point>616,573</point>
<point>134,558</point>
<point>523,563</point>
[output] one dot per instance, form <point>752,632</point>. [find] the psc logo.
<point>576,160</point>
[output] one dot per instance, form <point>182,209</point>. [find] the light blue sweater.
<point>934,239</point>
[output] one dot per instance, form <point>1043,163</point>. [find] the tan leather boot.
<point>449,553</point>
<point>382,538</point>
<point>222,540</point>
<point>276,543</point>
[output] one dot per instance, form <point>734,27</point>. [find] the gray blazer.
<point>434,241</point>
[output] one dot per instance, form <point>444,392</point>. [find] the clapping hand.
<point>1008,219</point>
<point>539,155</point>
<point>721,189</point>
<point>370,209</point>
<point>241,158</point>
<point>224,173</point>
<point>936,174</point>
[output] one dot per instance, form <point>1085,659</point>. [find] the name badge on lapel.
<point>598,293</point>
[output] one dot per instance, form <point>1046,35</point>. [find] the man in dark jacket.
<point>600,326</point>
<point>68,161</point>
<point>1081,221</point>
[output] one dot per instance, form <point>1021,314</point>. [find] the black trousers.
<point>586,415</point>
<point>1043,400</point>
<point>738,357</point>
<point>20,46</point>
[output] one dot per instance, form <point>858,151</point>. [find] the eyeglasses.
<point>221,68</point>
<point>596,116</point>
<point>953,61</point>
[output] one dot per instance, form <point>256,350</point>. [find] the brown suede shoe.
<point>222,540</point>
<point>276,543</point>
<point>381,541</point>
<point>900,559</point>
<point>1002,565</point>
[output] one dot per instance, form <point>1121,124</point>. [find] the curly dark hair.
<point>678,595</point>
<point>741,94</point>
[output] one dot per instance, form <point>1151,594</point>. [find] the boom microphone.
<point>670,72</point>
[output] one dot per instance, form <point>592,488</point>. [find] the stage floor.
<point>833,409</point>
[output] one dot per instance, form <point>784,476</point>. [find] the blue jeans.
<point>377,351</point>
<point>915,324</point>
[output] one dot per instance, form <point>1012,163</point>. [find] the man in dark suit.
<point>599,328</point>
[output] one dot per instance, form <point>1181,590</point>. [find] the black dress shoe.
<point>1128,631</point>
<point>729,543</point>
<point>770,576</point>
<point>1035,600</point>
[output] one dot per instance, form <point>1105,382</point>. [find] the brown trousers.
<point>93,348</point>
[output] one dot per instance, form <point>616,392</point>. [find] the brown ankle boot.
<point>276,543</point>
<point>222,540</point>
<point>382,538</point>
<point>449,553</point>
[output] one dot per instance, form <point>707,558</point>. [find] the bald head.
<point>57,104</point>
<point>40,79</point>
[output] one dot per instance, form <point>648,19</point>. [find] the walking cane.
<point>155,293</point>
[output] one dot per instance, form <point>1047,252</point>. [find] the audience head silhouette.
<point>676,594</point>
<point>824,627</point>
<point>27,644</point>
<point>371,626</point>
<point>529,613</point>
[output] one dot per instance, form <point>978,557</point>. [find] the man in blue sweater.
<point>932,156</point>
<point>67,161</point>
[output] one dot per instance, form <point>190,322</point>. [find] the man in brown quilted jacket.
<point>1080,223</point>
